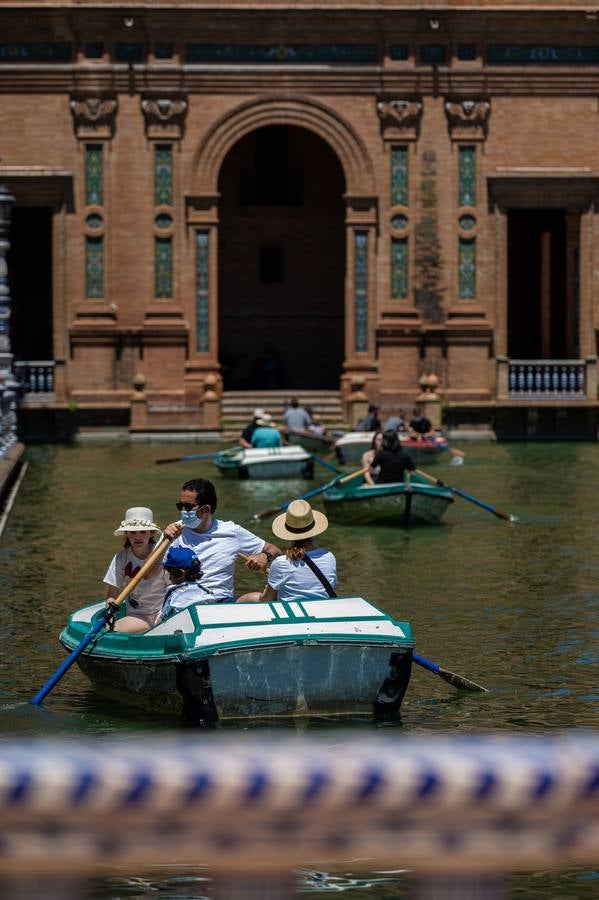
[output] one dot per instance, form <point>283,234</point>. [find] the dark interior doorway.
<point>543,251</point>
<point>281,262</point>
<point>30,282</point>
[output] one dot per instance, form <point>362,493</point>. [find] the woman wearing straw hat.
<point>294,575</point>
<point>145,602</point>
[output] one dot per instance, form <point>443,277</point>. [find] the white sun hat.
<point>265,419</point>
<point>299,522</point>
<point>138,518</point>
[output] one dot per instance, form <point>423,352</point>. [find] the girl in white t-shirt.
<point>290,576</point>
<point>145,601</point>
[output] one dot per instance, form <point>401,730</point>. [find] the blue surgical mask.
<point>189,518</point>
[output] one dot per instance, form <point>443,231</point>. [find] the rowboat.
<point>269,462</point>
<point>412,502</point>
<point>313,443</point>
<point>237,660</point>
<point>350,447</point>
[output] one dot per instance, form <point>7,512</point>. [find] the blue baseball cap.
<point>180,558</point>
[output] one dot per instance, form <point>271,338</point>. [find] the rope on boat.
<point>435,803</point>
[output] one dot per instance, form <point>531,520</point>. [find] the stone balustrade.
<point>546,379</point>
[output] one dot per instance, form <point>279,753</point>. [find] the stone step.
<point>237,407</point>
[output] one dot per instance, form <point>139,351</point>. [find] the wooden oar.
<point>452,678</point>
<point>458,454</point>
<point>454,490</point>
<point>110,610</point>
<point>340,479</point>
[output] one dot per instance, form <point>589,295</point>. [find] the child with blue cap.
<point>184,570</point>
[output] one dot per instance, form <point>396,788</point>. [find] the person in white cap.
<point>304,570</point>
<point>266,434</point>
<point>145,601</point>
<point>246,435</point>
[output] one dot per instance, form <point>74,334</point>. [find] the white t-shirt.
<point>296,579</point>
<point>217,549</point>
<point>147,597</point>
<point>180,596</point>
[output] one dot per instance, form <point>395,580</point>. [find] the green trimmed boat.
<point>267,462</point>
<point>313,443</point>
<point>236,660</point>
<point>412,502</point>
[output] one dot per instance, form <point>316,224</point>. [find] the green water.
<point>513,606</point>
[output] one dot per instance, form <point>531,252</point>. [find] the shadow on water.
<point>511,606</point>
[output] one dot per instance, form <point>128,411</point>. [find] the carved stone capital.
<point>164,116</point>
<point>400,119</point>
<point>467,119</point>
<point>94,117</point>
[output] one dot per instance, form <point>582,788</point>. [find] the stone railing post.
<point>139,404</point>
<point>503,373</point>
<point>210,403</point>
<point>428,399</point>
<point>591,378</point>
<point>357,402</point>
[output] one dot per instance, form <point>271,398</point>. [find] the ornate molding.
<point>164,117</point>
<point>400,119</point>
<point>468,119</point>
<point>94,117</point>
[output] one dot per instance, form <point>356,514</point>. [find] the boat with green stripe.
<point>238,660</point>
<point>413,502</point>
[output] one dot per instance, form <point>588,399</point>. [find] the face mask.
<point>189,518</point>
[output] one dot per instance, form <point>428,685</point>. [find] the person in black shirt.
<point>392,460</point>
<point>420,426</point>
<point>246,435</point>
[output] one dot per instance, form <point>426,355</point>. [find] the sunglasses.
<point>187,506</point>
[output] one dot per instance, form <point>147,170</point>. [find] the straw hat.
<point>299,522</point>
<point>258,412</point>
<point>265,419</point>
<point>138,518</point>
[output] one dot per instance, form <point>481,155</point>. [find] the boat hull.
<point>230,661</point>
<point>388,504</point>
<point>351,446</point>
<point>313,443</point>
<point>269,463</point>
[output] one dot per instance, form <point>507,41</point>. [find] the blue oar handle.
<point>45,690</point>
<point>326,464</point>
<point>425,663</point>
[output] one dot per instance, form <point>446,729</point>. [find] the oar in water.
<point>327,465</point>
<point>454,490</point>
<point>101,623</point>
<point>458,455</point>
<point>458,681</point>
<point>340,479</point>
<point>174,459</point>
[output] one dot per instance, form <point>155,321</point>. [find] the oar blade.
<point>170,459</point>
<point>458,681</point>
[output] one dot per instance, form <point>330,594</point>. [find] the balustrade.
<point>546,379</point>
<point>36,376</point>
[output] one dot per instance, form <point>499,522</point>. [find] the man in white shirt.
<point>215,542</point>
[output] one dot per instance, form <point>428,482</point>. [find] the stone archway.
<point>360,220</point>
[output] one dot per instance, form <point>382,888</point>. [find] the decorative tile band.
<point>203,291</point>
<point>399,268</point>
<point>541,54</point>
<point>94,175</point>
<point>94,268</point>
<point>163,267</point>
<point>399,176</point>
<point>361,291</point>
<point>282,53</point>
<point>163,175</point>
<point>467,268</point>
<point>467,176</point>
<point>36,52</point>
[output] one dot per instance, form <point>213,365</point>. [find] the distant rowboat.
<point>267,462</point>
<point>313,443</point>
<point>351,446</point>
<point>401,503</point>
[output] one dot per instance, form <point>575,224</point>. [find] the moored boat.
<point>220,661</point>
<point>350,447</point>
<point>313,443</point>
<point>412,502</point>
<point>267,462</point>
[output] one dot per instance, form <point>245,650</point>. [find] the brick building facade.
<point>271,196</point>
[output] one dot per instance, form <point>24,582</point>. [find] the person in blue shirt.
<point>266,434</point>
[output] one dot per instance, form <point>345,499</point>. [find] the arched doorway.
<point>281,270</point>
